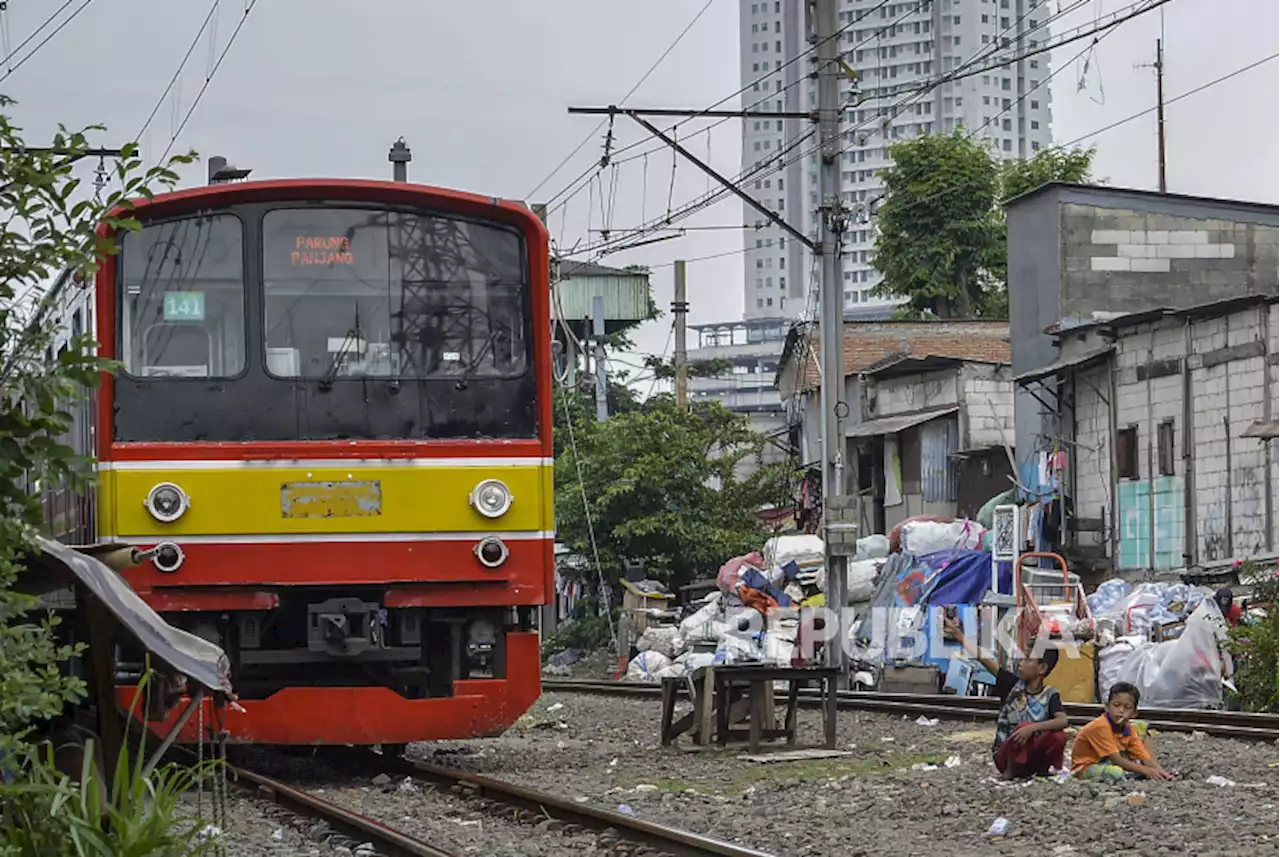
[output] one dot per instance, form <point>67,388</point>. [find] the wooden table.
<point>717,692</point>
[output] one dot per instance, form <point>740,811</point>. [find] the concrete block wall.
<point>1123,260</point>
<point>1092,453</point>
<point>911,393</point>
<point>988,406</point>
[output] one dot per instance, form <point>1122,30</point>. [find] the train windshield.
<point>183,304</point>
<point>352,292</point>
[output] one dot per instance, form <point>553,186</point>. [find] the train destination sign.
<point>322,250</point>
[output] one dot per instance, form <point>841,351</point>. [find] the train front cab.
<point>367,590</point>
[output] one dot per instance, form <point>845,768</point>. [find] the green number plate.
<point>184,306</point>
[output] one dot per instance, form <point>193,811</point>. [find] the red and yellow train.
<point>333,411</point>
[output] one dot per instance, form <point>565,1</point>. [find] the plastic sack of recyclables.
<point>926,537</point>
<point>659,639</point>
<point>646,666</point>
<point>1108,594</point>
<point>860,580</point>
<point>802,549</point>
<point>730,575</point>
<point>1181,673</point>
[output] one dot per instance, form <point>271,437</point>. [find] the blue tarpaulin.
<point>941,578</point>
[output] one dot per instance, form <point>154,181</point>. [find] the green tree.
<point>666,369</point>
<point>935,225</point>
<point>49,229</point>
<point>662,487</point>
<point>941,238</point>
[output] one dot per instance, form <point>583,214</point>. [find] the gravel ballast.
<point>606,750</point>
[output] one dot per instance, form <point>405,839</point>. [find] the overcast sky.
<point>479,91</point>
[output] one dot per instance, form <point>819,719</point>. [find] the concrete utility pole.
<point>831,327</point>
<point>1158,65</point>
<point>679,310</point>
<point>1164,185</point>
<point>400,156</point>
<point>602,375</point>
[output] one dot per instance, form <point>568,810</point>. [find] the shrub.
<point>1256,645</point>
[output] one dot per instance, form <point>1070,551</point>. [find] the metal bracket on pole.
<point>706,168</point>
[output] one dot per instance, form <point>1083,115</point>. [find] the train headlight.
<point>492,552</point>
<point>491,498</point>
<point>167,502</point>
<point>168,557</point>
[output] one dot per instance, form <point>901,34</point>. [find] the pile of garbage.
<point>1187,667</point>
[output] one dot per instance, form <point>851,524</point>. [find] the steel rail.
<point>388,840</point>
<point>659,837</point>
<point>1225,724</point>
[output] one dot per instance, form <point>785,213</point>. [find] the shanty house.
<point>926,401</point>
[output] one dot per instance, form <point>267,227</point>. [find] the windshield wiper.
<point>348,345</point>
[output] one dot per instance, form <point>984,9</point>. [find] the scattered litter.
<point>1197,734</point>
<point>278,835</point>
<point>560,745</point>
<point>210,831</point>
<point>365,848</point>
<point>926,721</point>
<point>953,762</point>
<point>1063,849</point>
<point>464,822</point>
<point>793,756</point>
<point>1216,780</point>
<point>382,780</point>
<point>614,763</point>
<point>319,831</point>
<point>554,708</point>
<point>562,726</point>
<point>999,827</point>
<point>626,809</point>
<point>1136,799</point>
<point>581,799</point>
<point>923,766</point>
<point>408,786</point>
<point>646,787</point>
<point>888,739</point>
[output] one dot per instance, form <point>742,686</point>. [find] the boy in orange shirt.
<point>1109,747</point>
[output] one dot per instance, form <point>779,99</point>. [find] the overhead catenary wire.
<point>208,79</point>
<point>982,53</point>
<point>967,70</point>
<point>213,8</point>
<point>767,96</point>
<point>20,63</point>
<point>630,93</point>
<point>1094,133</point>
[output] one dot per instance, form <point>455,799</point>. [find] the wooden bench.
<point>728,694</point>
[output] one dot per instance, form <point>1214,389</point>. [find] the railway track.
<point>630,836</point>
<point>1223,724</point>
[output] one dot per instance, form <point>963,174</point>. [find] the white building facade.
<point>893,51</point>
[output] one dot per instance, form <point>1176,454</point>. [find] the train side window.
<point>182,297</point>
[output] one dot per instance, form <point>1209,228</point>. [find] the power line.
<point>178,71</point>
<point>912,95</point>
<point>46,39</point>
<point>630,93</point>
<point>208,79</point>
<point>1169,101</point>
<point>1141,113</point>
<point>47,21</point>
<point>766,97</point>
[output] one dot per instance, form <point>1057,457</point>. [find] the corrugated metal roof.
<point>1065,363</point>
<point>626,293</point>
<point>895,424</point>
